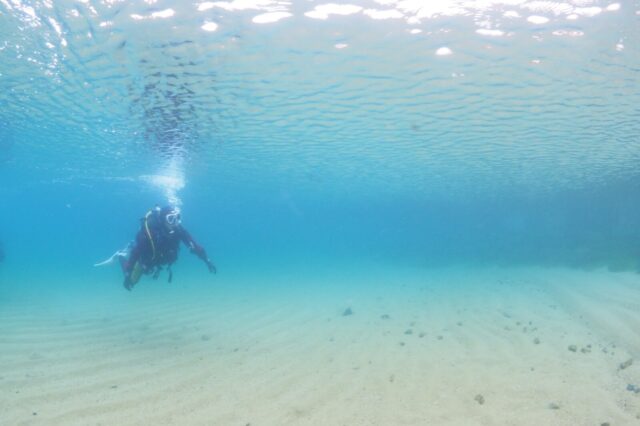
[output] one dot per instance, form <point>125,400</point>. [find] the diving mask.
<point>173,218</point>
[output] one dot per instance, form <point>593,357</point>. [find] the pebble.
<point>573,348</point>
<point>536,341</point>
<point>626,364</point>
<point>479,398</point>
<point>408,331</point>
<point>554,406</point>
<point>633,388</point>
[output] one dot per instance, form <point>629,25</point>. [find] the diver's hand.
<point>211,266</point>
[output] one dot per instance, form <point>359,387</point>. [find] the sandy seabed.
<point>515,346</point>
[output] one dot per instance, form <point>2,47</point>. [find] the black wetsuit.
<point>156,246</point>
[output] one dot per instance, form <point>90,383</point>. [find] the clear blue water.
<point>341,138</point>
<point>392,133</point>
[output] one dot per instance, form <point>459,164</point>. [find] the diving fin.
<point>117,255</point>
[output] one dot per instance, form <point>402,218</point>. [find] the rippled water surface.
<point>421,96</point>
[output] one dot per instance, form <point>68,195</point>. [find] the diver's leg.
<point>127,282</point>
<point>132,277</point>
<point>136,265</point>
<point>129,266</point>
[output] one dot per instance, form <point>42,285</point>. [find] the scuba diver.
<point>156,245</point>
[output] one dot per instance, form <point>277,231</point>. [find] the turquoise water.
<point>314,149</point>
<point>338,139</point>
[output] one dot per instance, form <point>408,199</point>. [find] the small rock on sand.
<point>554,406</point>
<point>479,399</point>
<point>536,341</point>
<point>626,364</point>
<point>408,331</point>
<point>347,312</point>
<point>633,388</point>
<point>573,348</point>
<point>385,316</point>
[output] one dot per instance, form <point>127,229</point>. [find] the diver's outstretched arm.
<point>197,249</point>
